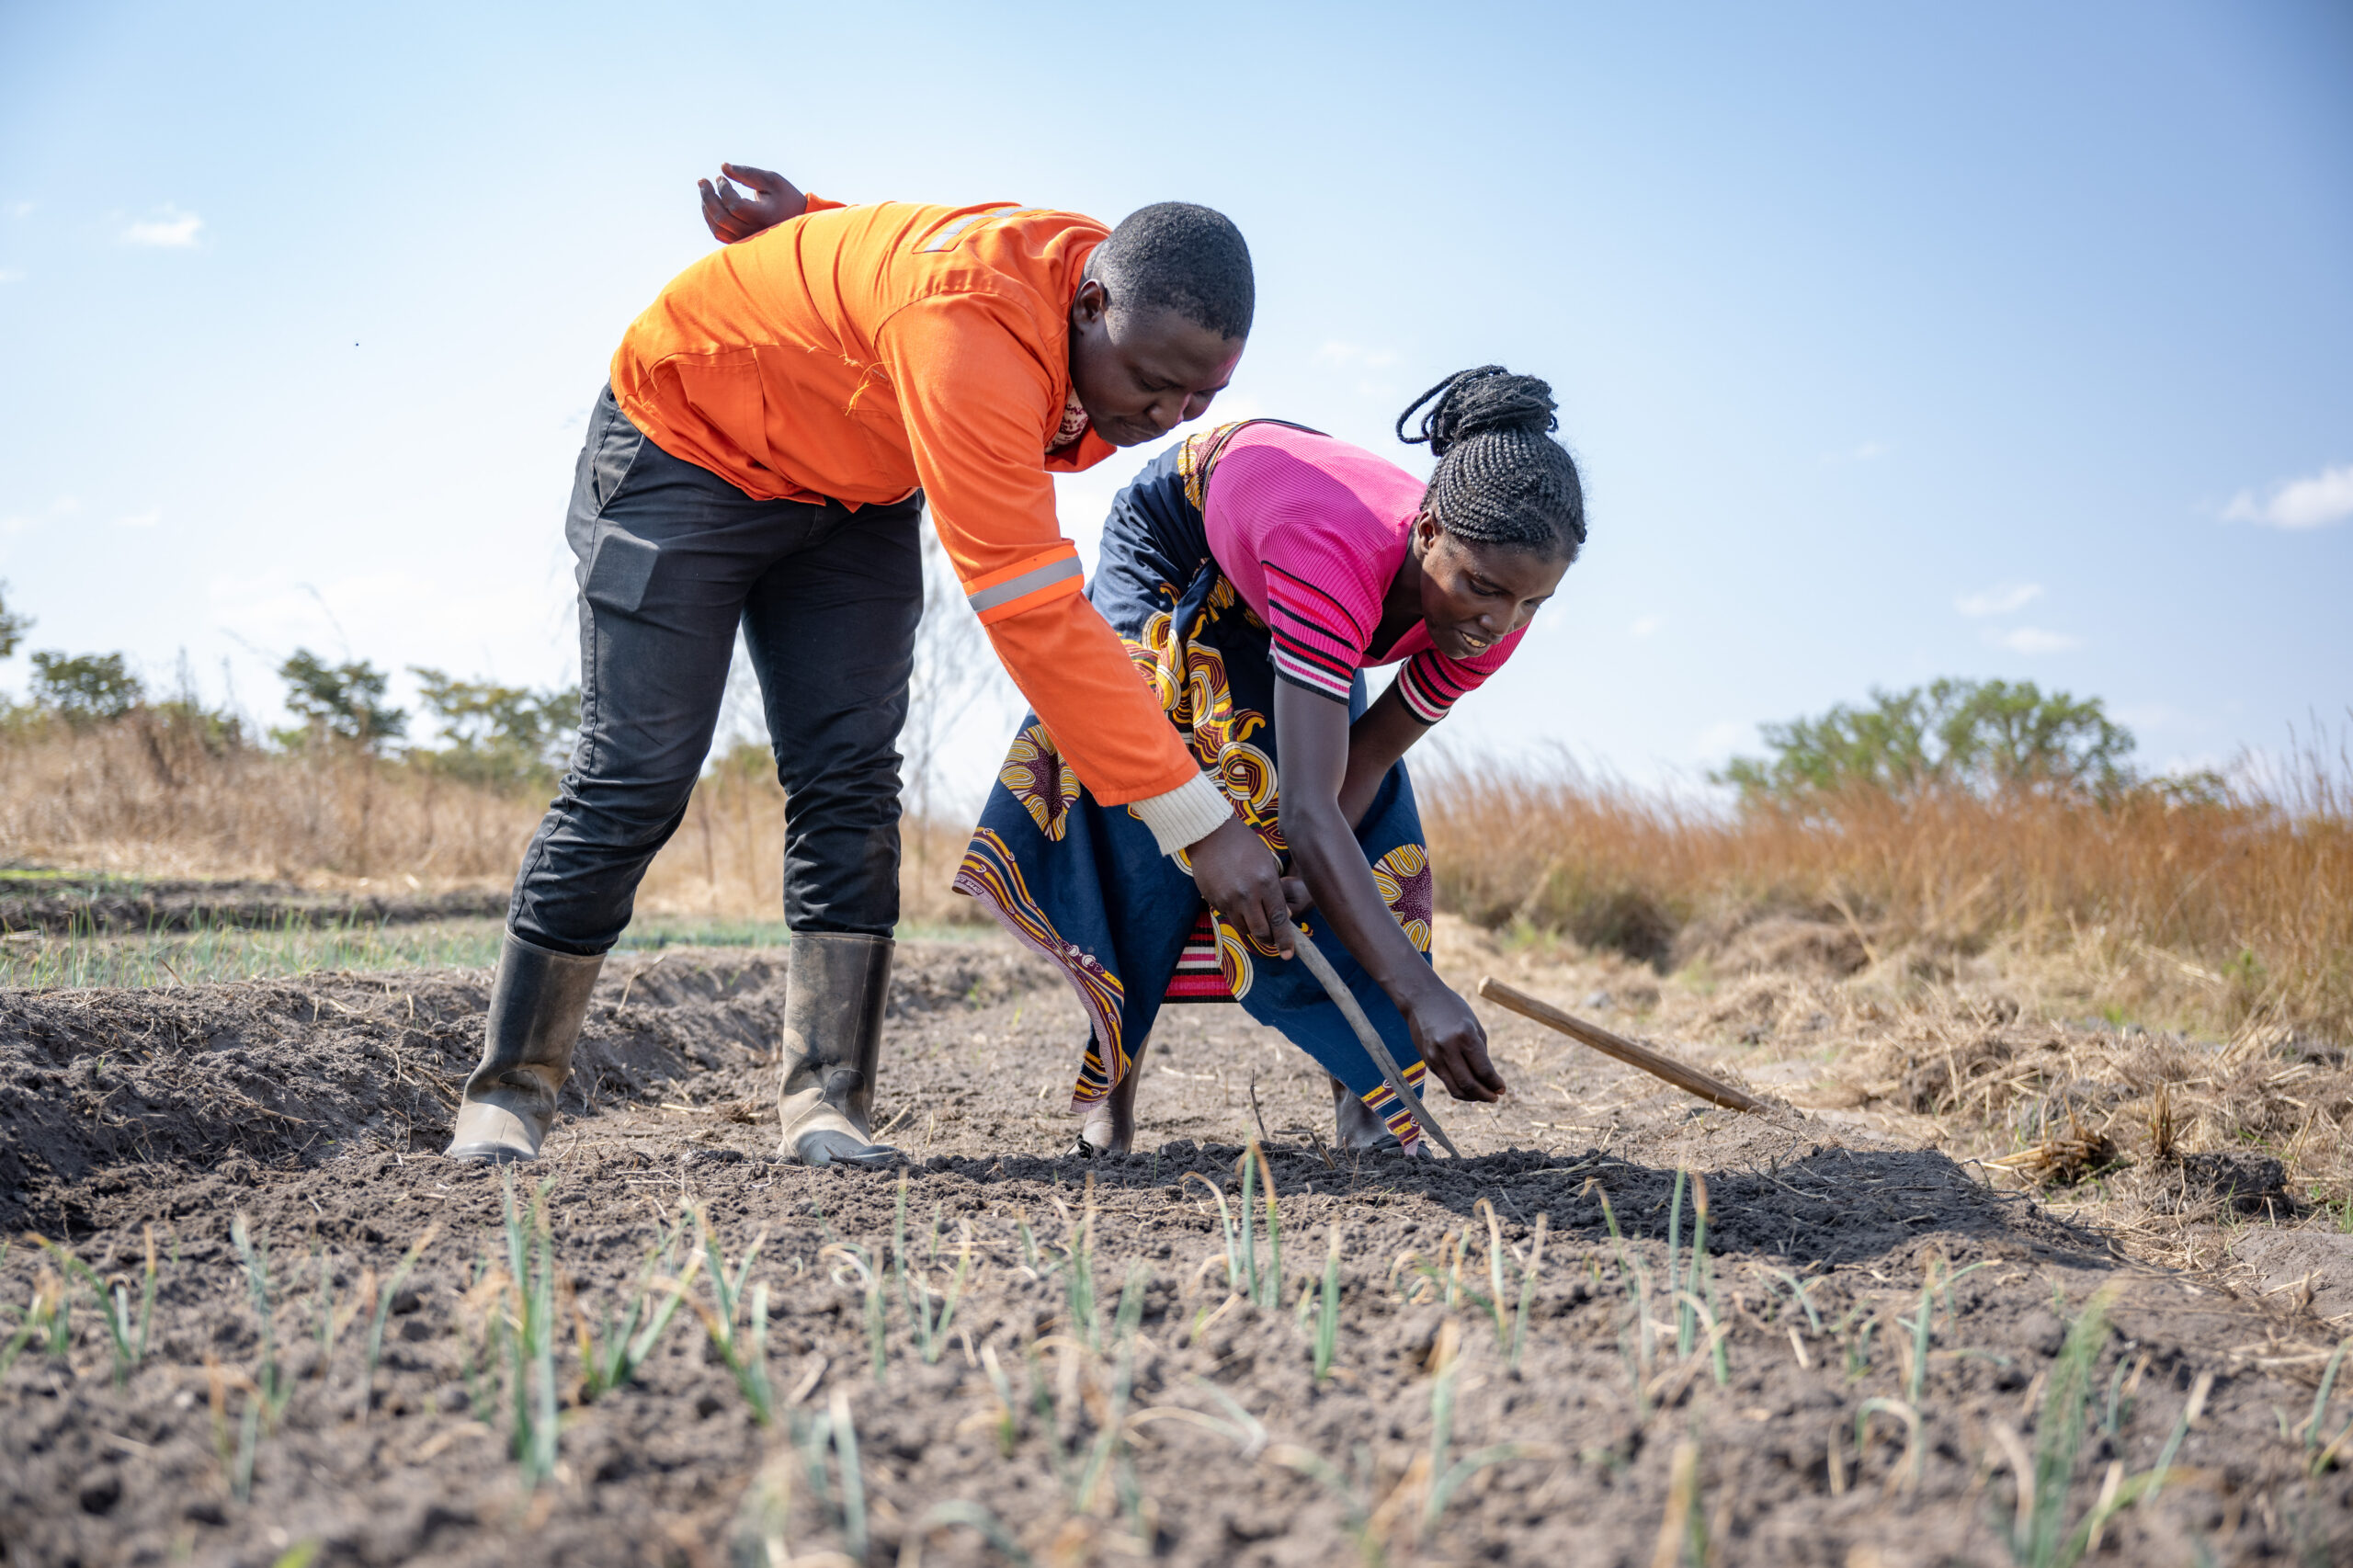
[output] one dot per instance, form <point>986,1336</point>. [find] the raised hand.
<point>766,200</point>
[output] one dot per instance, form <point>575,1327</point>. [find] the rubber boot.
<point>835,989</point>
<point>535,1007</point>
<point>1110,1125</point>
<point>1355,1128</point>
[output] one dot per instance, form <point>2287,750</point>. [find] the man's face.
<point>1140,374</point>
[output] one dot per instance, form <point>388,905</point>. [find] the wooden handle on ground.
<point>1690,1080</point>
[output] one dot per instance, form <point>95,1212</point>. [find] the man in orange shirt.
<point>776,421</point>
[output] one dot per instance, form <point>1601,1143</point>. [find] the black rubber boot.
<point>835,989</point>
<point>535,1007</point>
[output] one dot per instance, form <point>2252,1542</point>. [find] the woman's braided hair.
<point>1501,478</point>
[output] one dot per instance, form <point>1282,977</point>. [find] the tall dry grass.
<point>149,796</point>
<point>2231,910</point>
<point>2235,911</point>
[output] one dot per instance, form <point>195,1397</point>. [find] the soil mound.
<point>106,907</point>
<point>301,1069</point>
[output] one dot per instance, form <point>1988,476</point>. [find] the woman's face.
<point>1474,596</point>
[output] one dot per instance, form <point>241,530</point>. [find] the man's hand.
<point>1237,874</point>
<point>1451,1040</point>
<point>733,215</point>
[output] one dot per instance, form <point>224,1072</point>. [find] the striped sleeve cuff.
<point>1426,689</point>
<point>1184,815</point>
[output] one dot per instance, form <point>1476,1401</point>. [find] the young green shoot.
<point>531,1343</point>
<point>2319,1453</point>
<point>610,1360</point>
<point>1226,1223</point>
<point>1528,1273</point>
<point>747,1362</point>
<point>1274,1292</point>
<point>2059,1434</point>
<point>1008,1420</point>
<point>1495,1303</point>
<point>1684,1325</point>
<point>1249,1224</point>
<point>388,1293</point>
<point>272,1384</point>
<point>1328,1318</point>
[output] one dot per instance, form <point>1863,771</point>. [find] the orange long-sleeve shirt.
<point>859,352</point>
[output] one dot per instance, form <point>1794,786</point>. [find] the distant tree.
<point>86,688</point>
<point>12,627</point>
<point>1980,735</point>
<point>344,701</point>
<point>499,734</point>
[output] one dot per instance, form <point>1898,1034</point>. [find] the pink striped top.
<point>1312,531</point>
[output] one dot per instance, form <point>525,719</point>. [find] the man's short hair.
<point>1174,255</point>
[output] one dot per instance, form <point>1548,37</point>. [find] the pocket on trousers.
<point>620,570</point>
<point>617,446</point>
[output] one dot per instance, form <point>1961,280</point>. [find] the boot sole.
<point>490,1154</point>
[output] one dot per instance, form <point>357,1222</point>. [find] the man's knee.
<point>629,814</point>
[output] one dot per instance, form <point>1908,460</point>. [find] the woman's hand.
<point>1237,874</point>
<point>733,215</point>
<point>1451,1040</point>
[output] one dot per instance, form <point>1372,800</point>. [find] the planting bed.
<point>1879,1359</point>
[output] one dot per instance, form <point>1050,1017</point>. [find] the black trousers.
<point>672,558</point>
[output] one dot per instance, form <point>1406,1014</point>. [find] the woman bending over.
<point>1255,572</point>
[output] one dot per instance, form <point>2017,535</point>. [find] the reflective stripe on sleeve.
<point>1033,582</point>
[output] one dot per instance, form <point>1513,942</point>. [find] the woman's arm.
<point>1311,736</point>
<point>1376,742</point>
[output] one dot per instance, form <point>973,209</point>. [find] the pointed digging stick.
<point>1321,967</point>
<point>1690,1080</point>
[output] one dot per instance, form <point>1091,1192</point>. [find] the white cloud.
<point>1865,452</point>
<point>16,523</point>
<point>2326,498</point>
<point>140,519</point>
<point>1646,625</point>
<point>11,275</point>
<point>2001,600</point>
<point>19,209</point>
<point>174,231</point>
<point>2033,640</point>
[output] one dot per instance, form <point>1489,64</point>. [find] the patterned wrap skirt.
<point>1086,886</point>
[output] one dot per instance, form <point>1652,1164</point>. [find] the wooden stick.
<point>1690,1080</point>
<point>1321,967</point>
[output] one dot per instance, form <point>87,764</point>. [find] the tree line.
<point>499,736</point>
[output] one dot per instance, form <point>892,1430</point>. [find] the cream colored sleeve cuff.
<point>1184,815</point>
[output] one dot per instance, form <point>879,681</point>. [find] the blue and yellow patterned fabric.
<point>1085,885</point>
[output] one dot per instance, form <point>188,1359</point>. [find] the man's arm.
<point>975,400</point>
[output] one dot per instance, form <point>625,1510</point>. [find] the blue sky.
<point>1998,340</point>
